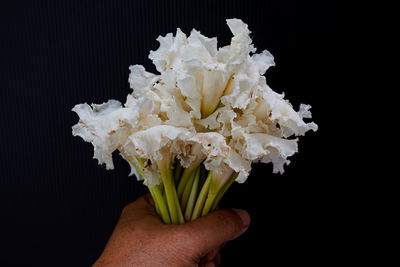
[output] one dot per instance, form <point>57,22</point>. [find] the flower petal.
<point>106,126</point>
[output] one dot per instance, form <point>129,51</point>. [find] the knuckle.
<point>186,234</point>
<point>127,208</point>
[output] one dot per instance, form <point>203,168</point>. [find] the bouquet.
<point>195,128</point>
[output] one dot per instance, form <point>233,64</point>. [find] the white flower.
<point>207,104</point>
<point>209,108</point>
<point>106,126</point>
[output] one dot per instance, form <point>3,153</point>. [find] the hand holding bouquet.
<point>195,128</point>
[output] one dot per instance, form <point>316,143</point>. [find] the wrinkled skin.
<point>141,239</point>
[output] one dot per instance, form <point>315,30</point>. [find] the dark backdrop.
<point>58,206</point>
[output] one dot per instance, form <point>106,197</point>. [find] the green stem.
<point>223,190</point>
<point>216,192</point>
<point>155,191</point>
<point>181,219</point>
<point>188,189</point>
<point>202,197</point>
<point>163,193</point>
<point>155,201</point>
<point>192,196</point>
<point>158,199</point>
<point>209,202</point>
<point>172,197</point>
<point>187,174</point>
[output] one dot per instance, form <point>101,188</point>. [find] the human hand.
<point>141,239</point>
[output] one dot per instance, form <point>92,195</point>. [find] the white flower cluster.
<point>208,104</point>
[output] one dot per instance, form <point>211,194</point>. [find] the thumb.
<point>214,229</point>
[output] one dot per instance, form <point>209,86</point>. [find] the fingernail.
<point>244,216</point>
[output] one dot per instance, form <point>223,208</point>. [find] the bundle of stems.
<point>186,193</point>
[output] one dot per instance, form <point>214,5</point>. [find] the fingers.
<point>140,210</point>
<point>211,255</point>
<point>212,230</point>
<point>212,258</point>
<point>212,262</point>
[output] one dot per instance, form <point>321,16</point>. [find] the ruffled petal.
<point>106,126</point>
<point>268,148</point>
<point>140,80</point>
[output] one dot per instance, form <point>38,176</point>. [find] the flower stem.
<point>223,190</point>
<point>160,203</point>
<point>188,189</point>
<point>209,202</point>
<point>202,197</point>
<point>187,174</point>
<point>151,189</point>
<point>192,196</point>
<point>219,184</point>
<point>211,196</point>
<point>155,191</point>
<point>172,197</point>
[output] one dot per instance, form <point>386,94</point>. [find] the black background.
<point>58,206</point>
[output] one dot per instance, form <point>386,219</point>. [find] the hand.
<point>141,239</point>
